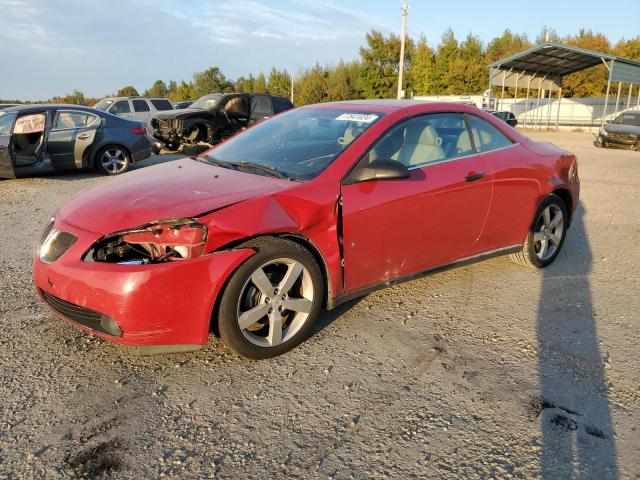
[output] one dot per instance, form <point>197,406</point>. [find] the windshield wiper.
<point>256,167</point>
<point>248,166</point>
<point>213,161</point>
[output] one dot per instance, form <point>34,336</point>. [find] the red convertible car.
<point>306,210</point>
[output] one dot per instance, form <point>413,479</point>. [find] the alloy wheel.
<point>548,232</point>
<point>114,160</point>
<point>275,302</point>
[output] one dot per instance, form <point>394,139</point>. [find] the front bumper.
<point>619,141</point>
<point>168,304</point>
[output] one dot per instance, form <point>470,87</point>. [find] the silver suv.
<point>139,108</point>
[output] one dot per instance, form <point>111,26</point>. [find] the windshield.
<point>6,122</point>
<point>298,144</point>
<point>103,105</point>
<point>628,119</point>
<point>208,102</point>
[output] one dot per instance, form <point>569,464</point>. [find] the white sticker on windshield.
<point>357,117</point>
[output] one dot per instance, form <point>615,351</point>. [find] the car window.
<point>237,106</point>
<point>281,104</point>
<point>6,122</point>
<point>299,143</point>
<point>423,140</point>
<point>120,107</point>
<point>261,105</point>
<point>141,106</point>
<point>69,120</point>
<point>486,137</point>
<point>162,104</point>
<point>628,119</point>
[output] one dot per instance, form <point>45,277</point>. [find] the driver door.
<point>6,164</point>
<point>393,228</point>
<point>71,137</point>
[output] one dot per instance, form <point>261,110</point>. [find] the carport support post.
<point>515,97</point>
<point>617,99</point>
<point>526,103</point>
<point>558,114</point>
<point>606,98</point>
<point>504,79</point>
<point>538,116</point>
<point>629,97</point>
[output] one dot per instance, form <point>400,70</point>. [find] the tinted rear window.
<point>281,104</point>
<point>162,104</point>
<point>140,106</point>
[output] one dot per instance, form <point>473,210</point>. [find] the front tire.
<point>546,236</point>
<point>113,160</point>
<point>272,299</point>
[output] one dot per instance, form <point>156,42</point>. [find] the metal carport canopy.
<point>548,63</point>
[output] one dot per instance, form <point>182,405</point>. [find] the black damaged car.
<point>623,132</point>
<point>213,118</point>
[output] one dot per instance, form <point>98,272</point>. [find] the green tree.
<point>210,81</point>
<point>279,82</point>
<point>260,85</point>
<point>158,89</point>
<point>506,45</point>
<point>592,81</point>
<point>341,81</point>
<point>446,54</point>
<point>421,71</point>
<point>311,88</point>
<point>628,48</point>
<point>127,91</point>
<point>380,63</point>
<point>184,92</point>
<point>468,71</point>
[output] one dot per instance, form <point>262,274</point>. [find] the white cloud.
<point>98,47</point>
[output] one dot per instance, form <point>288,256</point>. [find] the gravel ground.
<point>486,371</point>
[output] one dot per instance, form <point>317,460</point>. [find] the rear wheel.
<point>113,160</point>
<point>547,234</point>
<point>272,300</point>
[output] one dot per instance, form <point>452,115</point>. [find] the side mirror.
<point>607,121</point>
<point>378,170</point>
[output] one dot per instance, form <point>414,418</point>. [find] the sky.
<point>50,47</point>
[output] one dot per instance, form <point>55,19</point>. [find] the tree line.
<point>452,67</point>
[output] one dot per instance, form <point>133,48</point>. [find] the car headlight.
<point>156,242</point>
<point>603,132</point>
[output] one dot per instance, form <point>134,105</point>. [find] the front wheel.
<point>272,300</point>
<point>113,160</point>
<point>546,236</point>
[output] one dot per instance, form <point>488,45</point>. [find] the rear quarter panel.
<point>523,176</point>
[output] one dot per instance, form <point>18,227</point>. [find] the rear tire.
<point>272,300</point>
<point>113,160</point>
<point>546,235</point>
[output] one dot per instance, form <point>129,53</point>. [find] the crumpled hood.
<point>182,113</point>
<point>623,129</point>
<point>182,188</point>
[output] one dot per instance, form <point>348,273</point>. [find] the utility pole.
<point>291,87</point>
<point>405,9</point>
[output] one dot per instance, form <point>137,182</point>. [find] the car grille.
<point>55,244</point>
<point>83,316</point>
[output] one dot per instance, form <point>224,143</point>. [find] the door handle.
<point>473,177</point>
<point>84,136</point>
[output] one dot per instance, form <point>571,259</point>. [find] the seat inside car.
<point>421,145</point>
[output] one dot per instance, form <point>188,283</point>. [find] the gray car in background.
<point>138,108</point>
<point>622,132</point>
<point>38,139</point>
